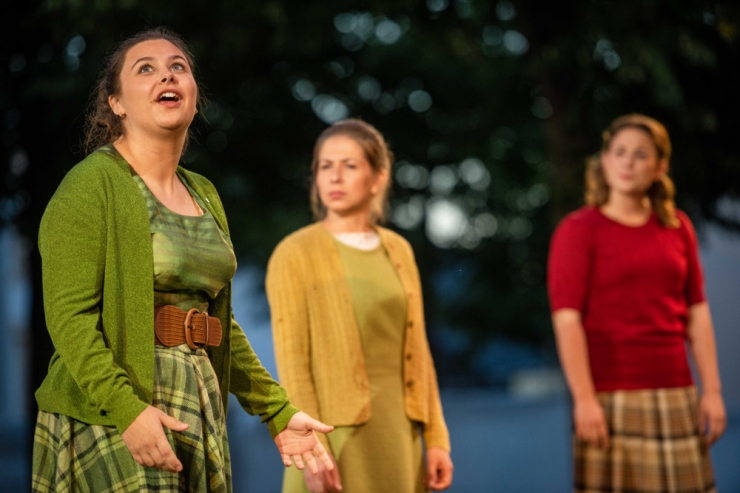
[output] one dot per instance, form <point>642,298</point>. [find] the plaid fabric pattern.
<point>655,445</point>
<point>71,456</point>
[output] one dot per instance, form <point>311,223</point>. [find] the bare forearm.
<point>703,347</point>
<point>573,353</point>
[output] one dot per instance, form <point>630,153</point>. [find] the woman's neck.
<point>155,160</point>
<point>632,209</point>
<point>350,223</point>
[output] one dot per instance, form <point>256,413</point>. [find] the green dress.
<point>193,261</point>
<point>384,454</point>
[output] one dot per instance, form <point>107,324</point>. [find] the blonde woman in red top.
<point>626,294</point>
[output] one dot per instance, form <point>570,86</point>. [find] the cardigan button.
<point>408,357</point>
<point>409,384</point>
<point>411,323</point>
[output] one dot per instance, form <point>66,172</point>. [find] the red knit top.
<point>633,287</point>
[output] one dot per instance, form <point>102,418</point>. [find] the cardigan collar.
<point>184,175</point>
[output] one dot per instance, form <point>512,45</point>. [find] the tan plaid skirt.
<point>655,445</point>
<point>71,456</point>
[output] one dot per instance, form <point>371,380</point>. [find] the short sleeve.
<point>569,264</point>
<point>694,288</point>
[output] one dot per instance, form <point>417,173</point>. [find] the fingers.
<point>311,461</point>
<point>286,460</point>
<point>444,478</point>
<point>334,480</point>
<point>172,423</point>
<point>602,438</point>
<point>169,460</point>
<point>596,434</point>
<point>703,419</point>
<point>316,425</point>
<point>323,455</point>
<point>717,427</point>
<point>298,460</point>
<point>432,472</point>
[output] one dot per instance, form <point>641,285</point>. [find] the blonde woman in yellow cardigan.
<point>348,324</point>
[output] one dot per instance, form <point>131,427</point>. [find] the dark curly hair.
<point>102,126</point>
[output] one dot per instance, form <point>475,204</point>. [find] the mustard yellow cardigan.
<point>317,341</point>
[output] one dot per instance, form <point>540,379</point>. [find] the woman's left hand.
<point>439,469</point>
<point>712,416</point>
<point>299,443</point>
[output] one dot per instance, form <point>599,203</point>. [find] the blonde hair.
<point>660,193</point>
<point>376,152</point>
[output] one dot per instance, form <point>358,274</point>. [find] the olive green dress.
<point>384,454</point>
<point>193,261</point>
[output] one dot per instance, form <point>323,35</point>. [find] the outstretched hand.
<point>326,481</point>
<point>298,443</point>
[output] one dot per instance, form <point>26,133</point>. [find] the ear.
<point>116,106</point>
<point>381,180</point>
<point>662,168</point>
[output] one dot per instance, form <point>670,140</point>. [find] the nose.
<point>168,77</point>
<point>336,175</point>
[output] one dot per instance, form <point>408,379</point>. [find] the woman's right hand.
<point>325,481</point>
<point>147,442</point>
<point>590,422</point>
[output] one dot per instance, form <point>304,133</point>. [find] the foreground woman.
<point>137,266</point>
<point>626,292</point>
<point>349,330</point>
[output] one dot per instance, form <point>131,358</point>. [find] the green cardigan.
<point>96,253</point>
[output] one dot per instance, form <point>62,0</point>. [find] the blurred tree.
<point>490,107</point>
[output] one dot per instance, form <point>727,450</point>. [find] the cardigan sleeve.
<point>254,387</point>
<point>435,432</point>
<point>72,242</point>
<point>290,328</point>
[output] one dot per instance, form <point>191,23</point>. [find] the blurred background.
<point>491,108</point>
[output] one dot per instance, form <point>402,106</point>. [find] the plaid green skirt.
<point>655,445</point>
<point>71,456</point>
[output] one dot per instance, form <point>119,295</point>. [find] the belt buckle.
<point>189,328</point>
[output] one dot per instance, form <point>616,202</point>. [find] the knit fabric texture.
<point>97,270</point>
<point>318,345</point>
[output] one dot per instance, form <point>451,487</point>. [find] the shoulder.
<point>586,216</point>
<point>684,220</point>
<point>580,221</point>
<point>89,183</point>
<point>98,168</point>
<point>391,239</point>
<point>686,226</point>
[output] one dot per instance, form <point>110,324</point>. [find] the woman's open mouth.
<point>169,98</point>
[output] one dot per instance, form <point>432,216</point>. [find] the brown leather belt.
<point>173,326</point>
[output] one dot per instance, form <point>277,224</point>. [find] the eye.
<point>178,66</point>
<point>145,68</point>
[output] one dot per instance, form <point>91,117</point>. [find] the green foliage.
<point>510,96</point>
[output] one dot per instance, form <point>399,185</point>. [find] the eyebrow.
<point>146,58</point>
